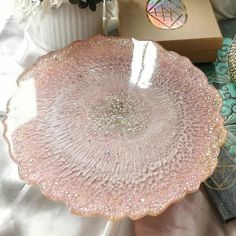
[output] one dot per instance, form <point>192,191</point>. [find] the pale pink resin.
<point>135,165</point>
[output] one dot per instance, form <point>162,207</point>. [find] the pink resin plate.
<point>115,127</point>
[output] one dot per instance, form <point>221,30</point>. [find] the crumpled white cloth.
<point>24,211</point>
<point>224,9</point>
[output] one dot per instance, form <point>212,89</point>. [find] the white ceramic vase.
<point>57,27</point>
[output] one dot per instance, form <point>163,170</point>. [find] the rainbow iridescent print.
<point>166,14</point>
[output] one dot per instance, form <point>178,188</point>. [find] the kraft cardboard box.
<point>199,38</point>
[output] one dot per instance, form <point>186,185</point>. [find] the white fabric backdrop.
<point>224,9</point>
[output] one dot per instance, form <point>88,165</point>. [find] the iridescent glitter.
<point>166,14</point>
<point>119,114</point>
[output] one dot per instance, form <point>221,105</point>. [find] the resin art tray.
<point>115,127</point>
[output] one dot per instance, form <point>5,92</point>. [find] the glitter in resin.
<point>166,14</point>
<point>119,114</point>
<point>116,135</point>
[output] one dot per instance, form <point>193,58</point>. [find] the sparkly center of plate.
<point>119,114</point>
